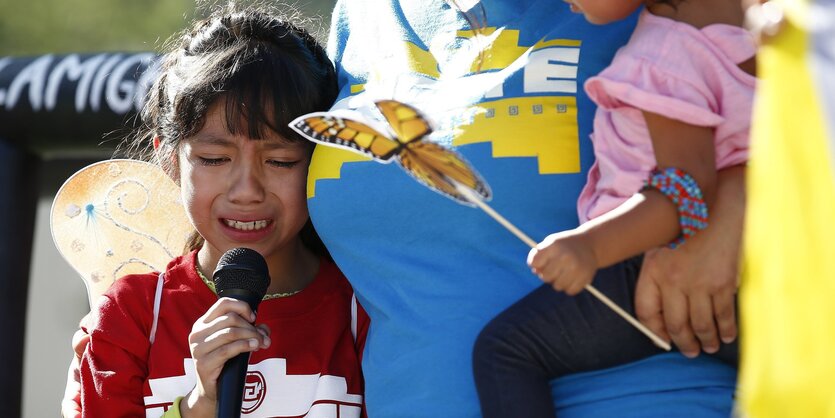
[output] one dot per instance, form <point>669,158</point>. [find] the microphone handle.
<point>230,386</point>
<point>230,383</point>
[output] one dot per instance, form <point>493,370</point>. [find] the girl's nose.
<point>246,185</point>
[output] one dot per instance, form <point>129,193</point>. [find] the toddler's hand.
<point>565,260</point>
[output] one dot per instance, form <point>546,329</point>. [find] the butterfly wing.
<point>406,122</point>
<point>118,217</point>
<point>326,129</point>
<point>440,168</point>
<point>431,164</point>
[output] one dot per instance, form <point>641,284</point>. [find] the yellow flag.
<point>788,287</point>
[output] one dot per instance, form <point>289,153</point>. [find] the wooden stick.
<point>531,243</point>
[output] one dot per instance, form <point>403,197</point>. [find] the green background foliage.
<point>35,27</point>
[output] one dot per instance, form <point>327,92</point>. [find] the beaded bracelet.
<point>685,193</point>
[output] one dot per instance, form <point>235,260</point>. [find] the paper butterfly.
<point>431,164</point>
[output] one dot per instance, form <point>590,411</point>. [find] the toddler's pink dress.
<point>680,72</point>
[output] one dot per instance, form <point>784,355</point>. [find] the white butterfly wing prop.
<point>118,217</point>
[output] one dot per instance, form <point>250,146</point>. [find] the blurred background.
<point>47,132</point>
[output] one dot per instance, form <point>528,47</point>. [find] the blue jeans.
<point>548,334</point>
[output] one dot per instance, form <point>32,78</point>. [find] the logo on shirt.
<point>290,395</point>
<point>255,390</point>
<point>539,121</point>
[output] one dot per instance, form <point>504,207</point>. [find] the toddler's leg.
<point>548,334</point>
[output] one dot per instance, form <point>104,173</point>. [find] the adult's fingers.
<point>79,342</point>
<point>677,319</point>
<point>71,403</point>
<point>702,322</point>
<point>724,308</point>
<point>648,306</point>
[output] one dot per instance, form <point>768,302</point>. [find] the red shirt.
<point>311,368</point>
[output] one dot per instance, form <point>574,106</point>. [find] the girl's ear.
<point>167,159</point>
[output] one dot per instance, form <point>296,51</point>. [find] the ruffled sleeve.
<point>634,82</point>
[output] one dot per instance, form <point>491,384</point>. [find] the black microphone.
<point>241,274</point>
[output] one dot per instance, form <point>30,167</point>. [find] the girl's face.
<point>241,192</point>
<point>601,12</point>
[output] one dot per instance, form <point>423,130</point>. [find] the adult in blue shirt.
<point>431,272</point>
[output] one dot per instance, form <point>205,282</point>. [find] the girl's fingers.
<point>264,330</point>
<point>225,313</point>
<point>229,335</point>
<point>226,351</point>
<point>213,338</point>
<point>224,306</point>
<point>222,330</point>
<point>210,363</point>
<point>211,353</point>
<point>227,323</point>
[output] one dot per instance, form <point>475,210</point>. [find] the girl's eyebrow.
<point>209,139</point>
<point>280,144</point>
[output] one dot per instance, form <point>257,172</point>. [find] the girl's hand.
<point>566,260</point>
<point>225,331</point>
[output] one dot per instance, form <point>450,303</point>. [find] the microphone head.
<point>242,269</point>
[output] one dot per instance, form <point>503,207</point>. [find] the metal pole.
<point>18,185</point>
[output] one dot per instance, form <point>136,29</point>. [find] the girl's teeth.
<point>246,226</point>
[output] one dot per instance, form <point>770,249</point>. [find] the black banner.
<point>55,103</point>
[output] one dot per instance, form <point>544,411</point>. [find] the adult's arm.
<point>688,294</point>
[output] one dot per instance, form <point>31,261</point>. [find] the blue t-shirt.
<point>432,272</point>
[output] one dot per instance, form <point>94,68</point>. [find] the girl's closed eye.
<point>212,161</point>
<point>282,163</point>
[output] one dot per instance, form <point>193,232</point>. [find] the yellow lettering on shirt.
<point>542,127</point>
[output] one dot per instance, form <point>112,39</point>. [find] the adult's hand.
<point>71,403</point>
<point>688,295</point>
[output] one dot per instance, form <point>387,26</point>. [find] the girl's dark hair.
<point>267,70</point>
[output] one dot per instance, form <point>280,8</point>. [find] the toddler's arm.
<point>569,259</point>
